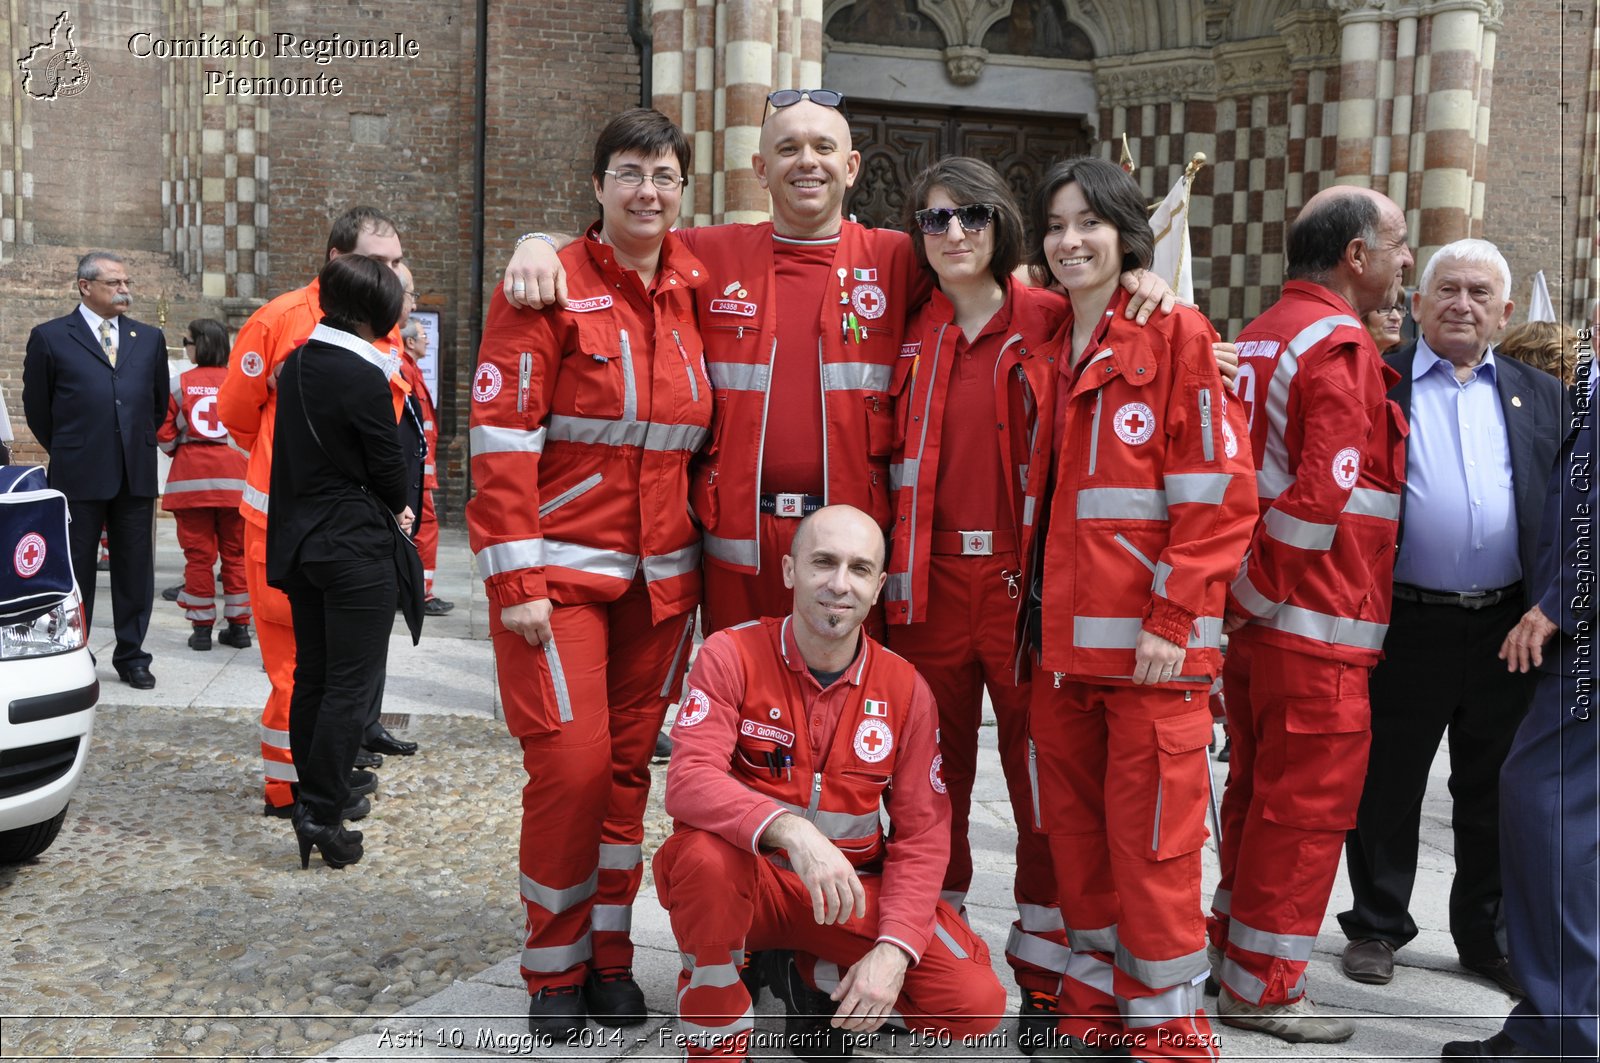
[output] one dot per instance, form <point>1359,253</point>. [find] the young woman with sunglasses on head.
<point>1143,488</point>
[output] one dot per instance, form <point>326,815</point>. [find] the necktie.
<point>106,342</point>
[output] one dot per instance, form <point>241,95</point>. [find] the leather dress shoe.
<point>1369,960</point>
<point>362,783</point>
<point>170,594</point>
<point>613,998</point>
<point>1500,1046</point>
<point>436,607</point>
<point>367,759</point>
<point>136,676</point>
<point>387,743</point>
<point>663,750</point>
<point>1498,971</point>
<point>555,1012</point>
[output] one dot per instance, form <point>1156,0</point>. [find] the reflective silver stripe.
<point>557,900</point>
<point>602,431</point>
<point>738,376</point>
<point>1174,1003</point>
<point>855,376</point>
<point>677,563</point>
<point>1222,901</point>
<point>487,439</point>
<point>510,556</point>
<point>1124,542</point>
<point>954,898</point>
<point>630,395</point>
<point>733,551</point>
<point>617,918</point>
<point>1158,584</point>
<point>684,641</point>
<point>1039,918</point>
<point>427,426</point>
<point>277,769</point>
<point>838,825</point>
<point>1274,474</point>
<point>255,499</point>
<point>1247,595</point>
<point>236,599</point>
<point>1369,502</point>
<point>1303,534</point>
<point>902,473</point>
<point>620,857</point>
<point>558,679</point>
<point>429,469</point>
<point>590,559</point>
<point>706,1038</point>
<point>583,486</point>
<point>1207,633</point>
<point>949,942</point>
<point>1296,947</point>
<point>274,738</point>
<point>233,612</point>
<point>1103,939</point>
<point>1323,627</point>
<point>1094,431</point>
<point>1037,951</point>
<point>1122,632</point>
<point>557,958</point>
<point>1090,970</point>
<point>897,588</point>
<point>1027,511</point>
<point>214,484</point>
<point>1270,483</point>
<point>1240,982</point>
<point>1207,488</point>
<point>1158,973</point>
<point>715,975</point>
<point>1122,503</point>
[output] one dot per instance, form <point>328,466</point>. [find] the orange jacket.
<point>207,471</point>
<point>411,372</point>
<point>757,737</point>
<point>1330,446</point>
<point>880,282</point>
<point>583,422</point>
<point>248,400</point>
<point>1152,502</point>
<point>1023,385</point>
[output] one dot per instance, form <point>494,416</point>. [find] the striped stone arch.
<point>1248,19</point>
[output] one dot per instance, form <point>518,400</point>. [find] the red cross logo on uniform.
<point>1346,467</point>
<point>204,418</point>
<point>28,558</point>
<point>873,742</point>
<point>1134,423</point>
<point>869,300</point>
<point>485,382</point>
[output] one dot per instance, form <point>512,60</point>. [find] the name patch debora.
<point>767,732</point>
<point>587,306</point>
<point>733,306</point>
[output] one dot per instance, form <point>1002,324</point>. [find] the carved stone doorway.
<point>897,141</point>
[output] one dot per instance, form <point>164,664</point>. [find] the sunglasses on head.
<point>974,218</point>
<point>789,97</point>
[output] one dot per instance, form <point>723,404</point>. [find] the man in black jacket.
<point>94,388</point>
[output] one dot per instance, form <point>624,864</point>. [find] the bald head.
<point>846,523</point>
<point>1353,241</point>
<point>806,163</point>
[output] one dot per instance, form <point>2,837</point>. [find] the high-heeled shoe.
<point>339,847</point>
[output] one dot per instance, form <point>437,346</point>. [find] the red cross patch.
<point>1134,423</point>
<point>486,382</point>
<point>873,740</point>
<point>1347,467</point>
<point>28,558</point>
<point>869,300</point>
<point>936,775</point>
<point>203,416</point>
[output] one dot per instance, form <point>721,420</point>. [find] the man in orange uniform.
<point>794,732</point>
<point>247,404</point>
<point>1310,606</point>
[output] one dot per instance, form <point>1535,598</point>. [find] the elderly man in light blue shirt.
<point>1484,432</point>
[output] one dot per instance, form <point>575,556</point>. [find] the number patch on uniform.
<point>1135,423</point>
<point>873,740</point>
<point>486,382</point>
<point>695,708</point>
<point>1347,467</point>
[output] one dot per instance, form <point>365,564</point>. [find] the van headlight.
<point>58,631</point>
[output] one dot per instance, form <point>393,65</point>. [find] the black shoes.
<point>170,594</point>
<point>1036,1021</point>
<point>806,1028</point>
<point>360,808</point>
<point>388,744</point>
<point>436,607</point>
<point>339,847</point>
<point>1500,1046</point>
<point>1369,960</point>
<point>663,750</point>
<point>237,636</point>
<point>136,676</point>
<point>556,1012</point>
<point>613,998</point>
<point>362,783</point>
<point>201,638</point>
<point>1498,971</point>
<point>368,759</point>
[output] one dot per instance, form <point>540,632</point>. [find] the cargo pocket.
<point>1325,744</point>
<point>1178,825</point>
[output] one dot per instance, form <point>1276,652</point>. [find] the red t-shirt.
<point>793,459</point>
<point>968,495</point>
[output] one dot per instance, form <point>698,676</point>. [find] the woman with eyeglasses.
<point>1384,325</point>
<point>584,418</point>
<point>203,489</point>
<point>1143,488</point>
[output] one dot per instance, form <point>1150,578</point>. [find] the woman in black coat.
<point>338,490</point>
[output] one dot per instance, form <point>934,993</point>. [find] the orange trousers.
<point>204,533</point>
<point>427,538</point>
<point>275,636</point>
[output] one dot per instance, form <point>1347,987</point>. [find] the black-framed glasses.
<point>662,179</point>
<point>974,218</point>
<point>1397,311</point>
<point>188,341</point>
<point>789,97</point>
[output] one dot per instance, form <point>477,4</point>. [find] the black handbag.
<point>407,562</point>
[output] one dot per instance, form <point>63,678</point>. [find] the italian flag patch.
<point>876,708</point>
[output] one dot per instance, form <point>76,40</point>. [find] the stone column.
<point>1360,53</point>
<point>1451,112</point>
<point>748,62</point>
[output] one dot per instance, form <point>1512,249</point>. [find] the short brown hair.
<point>210,341</point>
<point>348,227</point>
<point>1111,194</point>
<point>641,129</point>
<point>358,289</point>
<point>1544,345</point>
<point>967,180</point>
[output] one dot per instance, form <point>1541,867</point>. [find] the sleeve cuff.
<point>1166,619</point>
<point>904,938</point>
<point>755,824</point>
<point>514,588</point>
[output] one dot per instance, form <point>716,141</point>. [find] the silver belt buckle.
<point>977,543</point>
<point>789,505</point>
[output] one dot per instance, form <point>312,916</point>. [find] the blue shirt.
<point>1460,530</point>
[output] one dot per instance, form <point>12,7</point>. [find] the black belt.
<point>1405,592</point>
<point>787,505</point>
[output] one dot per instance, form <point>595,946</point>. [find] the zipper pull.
<point>524,379</point>
<point>739,333</point>
<point>816,782</point>
<point>1011,583</point>
<point>1059,676</point>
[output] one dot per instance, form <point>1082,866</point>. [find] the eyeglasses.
<point>1396,311</point>
<point>188,341</point>
<point>789,97</point>
<point>662,179</point>
<point>411,293</point>
<point>974,218</point>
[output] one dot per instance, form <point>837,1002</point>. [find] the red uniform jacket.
<point>1023,386</point>
<point>583,422</point>
<point>411,373</point>
<point>207,470</point>
<point>756,737</point>
<point>1152,502</point>
<point>1330,452</point>
<point>880,281</point>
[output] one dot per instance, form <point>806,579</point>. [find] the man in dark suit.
<point>94,388</point>
<point>1484,433</point>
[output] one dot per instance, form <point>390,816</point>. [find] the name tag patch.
<point>589,305</point>
<point>733,306</point>
<point>767,732</point>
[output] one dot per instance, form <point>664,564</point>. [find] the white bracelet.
<point>546,237</point>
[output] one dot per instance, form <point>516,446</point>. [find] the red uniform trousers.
<point>1122,785</point>
<point>204,533</point>
<point>428,542</point>
<point>723,900</point>
<point>275,636</point>
<point>586,708</point>
<point>736,597</point>
<point>1301,727</point>
<point>964,646</point>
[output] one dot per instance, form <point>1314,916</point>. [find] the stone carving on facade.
<point>1313,37</point>
<point>1171,78</point>
<point>1252,67</point>
<point>964,24</point>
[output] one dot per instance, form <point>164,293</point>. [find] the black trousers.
<point>126,519</point>
<point>1440,671</point>
<point>343,612</point>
